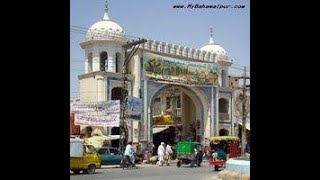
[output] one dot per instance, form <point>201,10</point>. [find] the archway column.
<point>214,130</point>
<point>146,114</point>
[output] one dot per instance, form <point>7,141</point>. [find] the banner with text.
<point>111,106</point>
<point>183,72</point>
<point>97,119</point>
<point>97,114</point>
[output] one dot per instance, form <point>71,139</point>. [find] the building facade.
<point>200,110</point>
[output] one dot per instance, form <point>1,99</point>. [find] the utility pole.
<point>133,47</point>
<point>244,114</point>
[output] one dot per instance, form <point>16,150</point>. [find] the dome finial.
<point>106,8</point>
<point>211,34</point>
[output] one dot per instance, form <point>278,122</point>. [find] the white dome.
<point>215,48</point>
<point>105,29</point>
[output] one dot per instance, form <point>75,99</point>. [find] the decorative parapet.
<point>182,51</point>
<point>104,35</point>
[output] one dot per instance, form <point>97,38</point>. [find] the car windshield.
<point>109,151</point>
<point>103,151</point>
<point>90,149</point>
<point>114,151</point>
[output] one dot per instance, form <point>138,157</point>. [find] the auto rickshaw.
<point>83,157</point>
<point>222,148</point>
<point>189,153</point>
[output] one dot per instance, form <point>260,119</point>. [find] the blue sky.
<point>156,19</point>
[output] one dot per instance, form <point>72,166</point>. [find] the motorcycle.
<point>126,162</point>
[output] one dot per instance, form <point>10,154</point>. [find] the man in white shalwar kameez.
<point>161,152</point>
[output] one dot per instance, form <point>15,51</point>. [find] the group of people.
<point>164,154</point>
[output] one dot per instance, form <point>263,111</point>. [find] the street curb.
<point>118,166</point>
<point>110,166</point>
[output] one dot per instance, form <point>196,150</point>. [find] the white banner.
<point>97,114</point>
<point>111,106</point>
<point>97,119</point>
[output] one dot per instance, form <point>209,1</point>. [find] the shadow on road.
<point>73,174</point>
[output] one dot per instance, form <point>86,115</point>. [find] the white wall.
<point>92,89</point>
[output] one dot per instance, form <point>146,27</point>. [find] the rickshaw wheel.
<point>178,164</point>
<point>216,167</point>
<point>198,163</point>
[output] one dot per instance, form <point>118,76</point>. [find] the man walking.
<point>161,152</point>
<point>168,154</point>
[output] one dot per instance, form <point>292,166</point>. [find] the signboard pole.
<point>134,45</point>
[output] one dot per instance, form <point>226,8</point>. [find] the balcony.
<point>224,116</point>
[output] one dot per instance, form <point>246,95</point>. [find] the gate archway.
<point>192,105</point>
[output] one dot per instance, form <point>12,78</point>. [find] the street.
<point>152,172</point>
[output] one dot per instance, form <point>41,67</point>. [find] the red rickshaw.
<point>221,149</point>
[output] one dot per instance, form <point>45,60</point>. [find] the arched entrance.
<point>187,110</point>
<point>116,94</point>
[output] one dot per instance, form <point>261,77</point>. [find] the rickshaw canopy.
<point>224,138</point>
<point>185,147</point>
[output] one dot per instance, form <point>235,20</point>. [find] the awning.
<point>162,120</point>
<point>226,138</point>
<point>98,140</point>
<point>247,125</point>
<point>95,129</point>
<point>159,129</point>
<point>112,137</point>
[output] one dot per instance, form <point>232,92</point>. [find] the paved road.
<point>152,172</point>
